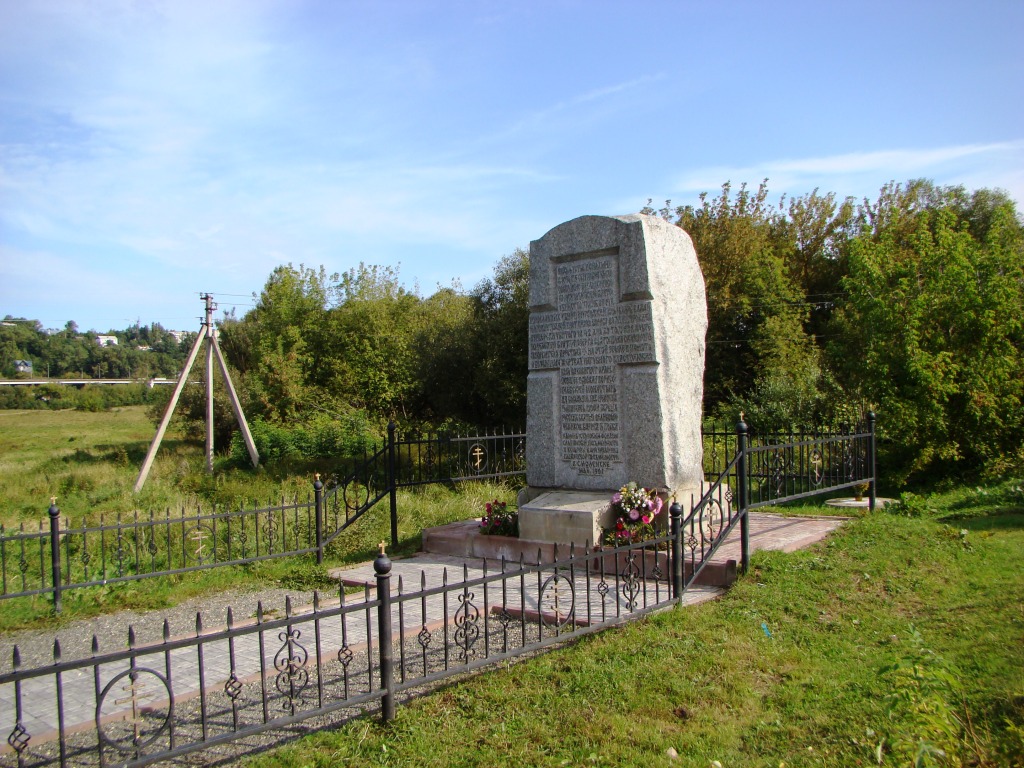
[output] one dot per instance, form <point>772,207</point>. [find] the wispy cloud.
<point>566,113</point>
<point>999,164</point>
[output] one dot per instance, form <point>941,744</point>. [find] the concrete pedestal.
<point>566,517</point>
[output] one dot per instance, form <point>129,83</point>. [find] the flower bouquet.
<point>636,512</point>
<point>498,520</point>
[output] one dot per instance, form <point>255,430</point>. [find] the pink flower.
<point>634,514</point>
<point>646,519</point>
<point>616,498</point>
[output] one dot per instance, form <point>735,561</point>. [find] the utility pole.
<point>208,325</point>
<point>208,335</point>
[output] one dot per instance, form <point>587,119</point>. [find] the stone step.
<point>463,539</point>
<point>767,531</point>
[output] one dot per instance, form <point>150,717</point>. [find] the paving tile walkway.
<point>246,660</point>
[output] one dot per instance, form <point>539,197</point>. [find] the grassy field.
<point>900,636</point>
<point>90,461</point>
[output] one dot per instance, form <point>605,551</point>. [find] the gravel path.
<point>216,713</point>
<point>111,630</point>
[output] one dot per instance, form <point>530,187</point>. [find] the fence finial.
<point>382,547</point>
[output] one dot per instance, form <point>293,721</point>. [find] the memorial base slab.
<point>565,517</point>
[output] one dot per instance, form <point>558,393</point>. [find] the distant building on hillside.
<point>178,335</point>
<point>23,366</point>
<point>106,341</point>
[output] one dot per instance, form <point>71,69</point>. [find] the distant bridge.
<point>80,382</point>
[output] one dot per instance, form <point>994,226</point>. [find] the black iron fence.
<point>141,704</point>
<point>415,459</point>
<point>144,703</point>
<point>788,464</point>
<point>58,556</point>
<point>768,470</point>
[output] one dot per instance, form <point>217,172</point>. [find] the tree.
<point>446,360</point>
<point>757,308</point>
<point>502,318</point>
<point>931,327</point>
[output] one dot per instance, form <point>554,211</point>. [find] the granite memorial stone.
<point>616,365</point>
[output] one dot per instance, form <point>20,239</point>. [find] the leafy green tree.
<point>502,319</point>
<point>931,328</point>
<point>277,346</point>
<point>371,359</point>
<point>757,343</point>
<point>446,358</point>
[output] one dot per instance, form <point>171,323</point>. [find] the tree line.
<point>142,352</point>
<point>819,309</point>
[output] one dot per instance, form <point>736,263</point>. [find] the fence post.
<point>55,552</point>
<point>742,495</point>
<point>318,497</point>
<point>382,567</point>
<point>872,490</point>
<point>676,517</point>
<point>393,482</point>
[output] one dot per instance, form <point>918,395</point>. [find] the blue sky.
<point>153,150</point>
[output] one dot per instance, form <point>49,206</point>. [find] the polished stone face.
<point>617,325</point>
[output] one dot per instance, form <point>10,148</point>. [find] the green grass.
<point>897,632</point>
<point>90,462</point>
<point>903,627</point>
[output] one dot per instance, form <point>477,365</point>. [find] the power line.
<point>813,337</point>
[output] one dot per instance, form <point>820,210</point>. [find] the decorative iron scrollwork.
<point>424,638</point>
<point>270,526</point>
<point>149,710</point>
<point>19,738</point>
<point>777,471</point>
<point>467,629</point>
<point>712,520</point>
<point>849,461</point>
<point>199,535</point>
<point>477,458</point>
<point>290,663</point>
<point>430,459</point>
<point>345,656</point>
<point>817,462</point>
<point>505,618</point>
<point>630,586</point>
<point>356,495</point>
<point>233,687</point>
<point>557,600</point>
